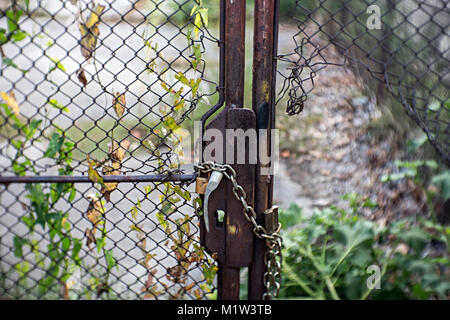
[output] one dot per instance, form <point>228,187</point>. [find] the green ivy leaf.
<point>442,180</point>
<point>54,145</point>
<point>34,124</point>
<point>447,103</point>
<point>180,76</point>
<point>10,63</point>
<point>56,65</point>
<point>111,262</point>
<point>55,104</point>
<point>171,124</point>
<point>65,243</point>
<point>161,220</point>
<point>19,36</point>
<point>18,245</point>
<point>416,143</point>
<point>13,20</point>
<point>76,249</point>
<point>99,244</point>
<point>73,193</point>
<point>3,38</point>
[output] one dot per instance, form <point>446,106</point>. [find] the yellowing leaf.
<point>164,85</point>
<point>10,100</point>
<point>179,105</point>
<point>90,32</point>
<point>94,17</point>
<point>194,8</point>
<point>204,15</point>
<point>136,228</point>
<point>119,104</point>
<point>171,124</point>
<point>92,173</point>
<point>180,76</point>
<point>109,187</point>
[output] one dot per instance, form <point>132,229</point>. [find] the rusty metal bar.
<point>228,284</point>
<point>221,86</point>
<point>263,106</point>
<point>234,52</point>
<point>85,179</point>
<point>274,84</point>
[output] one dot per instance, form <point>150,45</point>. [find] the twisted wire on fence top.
<point>408,57</point>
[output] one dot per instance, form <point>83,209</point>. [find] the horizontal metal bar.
<point>85,179</point>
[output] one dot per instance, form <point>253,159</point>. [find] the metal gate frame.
<point>259,188</point>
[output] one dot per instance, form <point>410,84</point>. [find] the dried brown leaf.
<point>119,104</point>
<point>117,153</point>
<point>198,293</point>
<point>95,210</point>
<point>82,77</point>
<point>109,187</point>
<point>90,32</point>
<point>190,286</point>
<point>90,236</point>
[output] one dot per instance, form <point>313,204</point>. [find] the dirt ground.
<point>329,150</point>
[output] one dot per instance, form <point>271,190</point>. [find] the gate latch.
<point>213,183</point>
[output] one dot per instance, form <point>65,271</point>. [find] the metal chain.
<point>272,256</point>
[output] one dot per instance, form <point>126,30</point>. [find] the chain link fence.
<point>93,89</point>
<point>397,47</point>
<point>102,88</point>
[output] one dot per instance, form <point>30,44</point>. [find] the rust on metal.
<point>271,219</point>
<point>234,52</point>
<point>222,237</point>
<point>263,105</point>
<point>241,255</point>
<point>106,178</point>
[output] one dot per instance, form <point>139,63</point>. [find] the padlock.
<point>200,185</point>
<point>271,219</point>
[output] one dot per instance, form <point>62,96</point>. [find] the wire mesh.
<point>104,88</point>
<point>398,47</point>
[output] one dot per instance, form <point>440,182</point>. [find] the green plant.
<point>412,170</point>
<point>61,252</point>
<point>327,256</point>
<point>171,134</point>
<point>61,256</point>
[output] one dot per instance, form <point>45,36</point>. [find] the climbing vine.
<point>60,257</point>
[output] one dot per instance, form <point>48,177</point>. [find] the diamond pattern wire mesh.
<point>109,88</point>
<point>407,55</point>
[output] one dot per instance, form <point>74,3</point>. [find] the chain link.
<point>272,256</point>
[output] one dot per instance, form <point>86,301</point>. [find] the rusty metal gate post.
<point>263,104</point>
<point>233,240</point>
<point>222,238</point>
